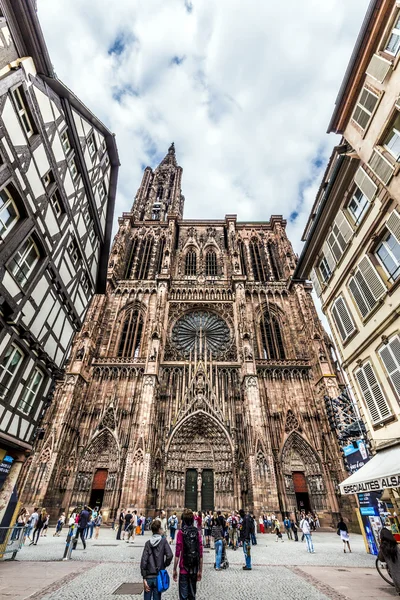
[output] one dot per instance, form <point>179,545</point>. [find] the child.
<point>157,555</point>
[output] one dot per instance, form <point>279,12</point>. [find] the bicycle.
<point>383,571</point>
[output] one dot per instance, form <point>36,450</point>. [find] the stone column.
<point>199,484</point>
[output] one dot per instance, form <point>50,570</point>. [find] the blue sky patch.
<point>293,216</point>
<point>188,6</point>
<point>118,46</point>
<point>177,60</point>
<point>120,92</point>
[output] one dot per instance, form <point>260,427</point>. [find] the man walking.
<point>127,524</point>
<point>288,529</point>
<point>189,555</point>
<point>83,521</point>
<point>293,526</point>
<point>233,523</point>
<point>246,531</point>
<point>305,527</point>
<point>172,524</point>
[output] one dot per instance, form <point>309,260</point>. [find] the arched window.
<point>160,255</point>
<point>271,337</point>
<point>132,255</point>
<point>258,262</point>
<point>211,263</point>
<point>129,344</point>
<point>143,264</point>
<point>242,257</point>
<point>273,259</point>
<point>191,263</point>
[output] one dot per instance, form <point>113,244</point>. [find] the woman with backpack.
<point>157,555</point>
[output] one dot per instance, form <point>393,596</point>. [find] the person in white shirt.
<point>305,527</point>
<point>32,523</point>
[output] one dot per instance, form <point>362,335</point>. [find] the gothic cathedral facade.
<point>198,379</point>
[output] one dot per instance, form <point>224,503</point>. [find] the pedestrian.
<point>133,526</point>
<point>261,524</point>
<point>189,556</point>
<point>32,522</point>
<point>246,529</point>
<point>277,527</point>
<point>142,522</point>
<point>389,552</point>
<point>172,524</point>
<point>207,529</point>
<point>60,525</point>
<point>121,523</point>
<point>39,526</point>
<point>127,523</point>
<point>157,556</point>
<point>198,520</point>
<point>20,523</point>
<point>293,526</point>
<point>253,535</point>
<point>83,520</point>
<point>233,523</point>
<point>218,534</point>
<point>90,525</point>
<point>288,529</point>
<point>164,522</point>
<point>45,526</point>
<point>97,524</point>
<point>343,531</point>
<point>305,527</point>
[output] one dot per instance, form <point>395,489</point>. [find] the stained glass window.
<point>201,329</point>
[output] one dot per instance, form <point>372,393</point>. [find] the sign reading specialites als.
<point>373,485</point>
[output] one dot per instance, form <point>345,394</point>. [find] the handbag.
<point>162,575</point>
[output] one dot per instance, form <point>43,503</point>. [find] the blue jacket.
<point>83,519</point>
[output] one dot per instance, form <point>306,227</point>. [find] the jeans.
<point>81,534</point>
<point>153,594</point>
<point>310,546</point>
<point>37,533</point>
<point>172,531</point>
<point>187,586</point>
<point>253,539</point>
<point>143,526</point>
<point>247,550</point>
<point>289,533</point>
<point>218,553</point>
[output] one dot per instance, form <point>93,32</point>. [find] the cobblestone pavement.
<point>280,570</point>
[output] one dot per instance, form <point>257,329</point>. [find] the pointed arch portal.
<point>199,462</point>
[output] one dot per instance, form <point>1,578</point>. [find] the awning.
<point>382,471</point>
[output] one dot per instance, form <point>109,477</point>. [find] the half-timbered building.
<point>58,171</point>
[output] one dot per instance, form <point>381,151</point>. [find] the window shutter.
<point>390,355</point>
<point>315,282</point>
<point>343,318</point>
<point>365,183</point>
<point>381,167</point>
<point>358,298</point>
<point>344,226</point>
<point>335,247</point>
<point>372,278</point>
<point>393,224</point>
<point>329,256</point>
<point>378,68</point>
<point>372,394</point>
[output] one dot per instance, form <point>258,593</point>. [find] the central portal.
<point>207,490</point>
<point>191,489</point>
<point>199,489</point>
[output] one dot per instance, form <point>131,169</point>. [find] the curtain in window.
<point>211,263</point>
<point>129,344</point>
<point>190,263</point>
<point>271,337</point>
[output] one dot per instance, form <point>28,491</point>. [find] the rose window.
<point>201,330</point>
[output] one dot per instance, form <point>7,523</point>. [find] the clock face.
<point>201,329</point>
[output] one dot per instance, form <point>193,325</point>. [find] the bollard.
<point>70,543</point>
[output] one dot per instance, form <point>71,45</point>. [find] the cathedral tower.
<point>198,379</point>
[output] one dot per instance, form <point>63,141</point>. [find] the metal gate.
<point>191,489</point>
<point>207,490</point>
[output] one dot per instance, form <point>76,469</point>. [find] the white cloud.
<point>247,107</point>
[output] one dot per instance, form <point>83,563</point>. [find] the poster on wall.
<point>356,455</point>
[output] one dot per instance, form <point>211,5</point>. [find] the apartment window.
<point>365,106</point>
<point>24,261</point>
<point>23,110</point>
<point>392,140</point>
<point>343,319</point>
<point>56,203</point>
<point>358,205</point>
<point>73,168</point>
<point>9,213</point>
<point>102,191</point>
<point>393,43</point>
<point>73,252</point>
<point>48,179</point>
<point>366,286</point>
<point>91,145</point>
<point>31,391</point>
<point>339,236</point>
<point>324,269</point>
<point>9,367</point>
<point>86,284</point>
<point>390,355</point>
<point>388,253</point>
<point>371,391</point>
<point>66,144</point>
<point>315,282</point>
<point>87,218</point>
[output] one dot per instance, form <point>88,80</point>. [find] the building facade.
<point>58,170</point>
<point>352,249</point>
<point>198,379</point>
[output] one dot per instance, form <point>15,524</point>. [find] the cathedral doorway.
<point>191,489</point>
<point>301,491</point>
<point>207,490</point>
<point>98,488</point>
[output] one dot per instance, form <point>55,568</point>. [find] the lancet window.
<point>243,257</point>
<point>131,335</point>
<point>273,261</point>
<point>132,255</point>
<point>143,264</point>
<point>160,255</point>
<point>271,337</point>
<point>211,263</point>
<point>258,263</point>
<point>191,263</point>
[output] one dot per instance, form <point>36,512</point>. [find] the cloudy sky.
<point>244,89</point>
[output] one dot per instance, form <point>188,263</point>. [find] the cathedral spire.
<point>160,192</point>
